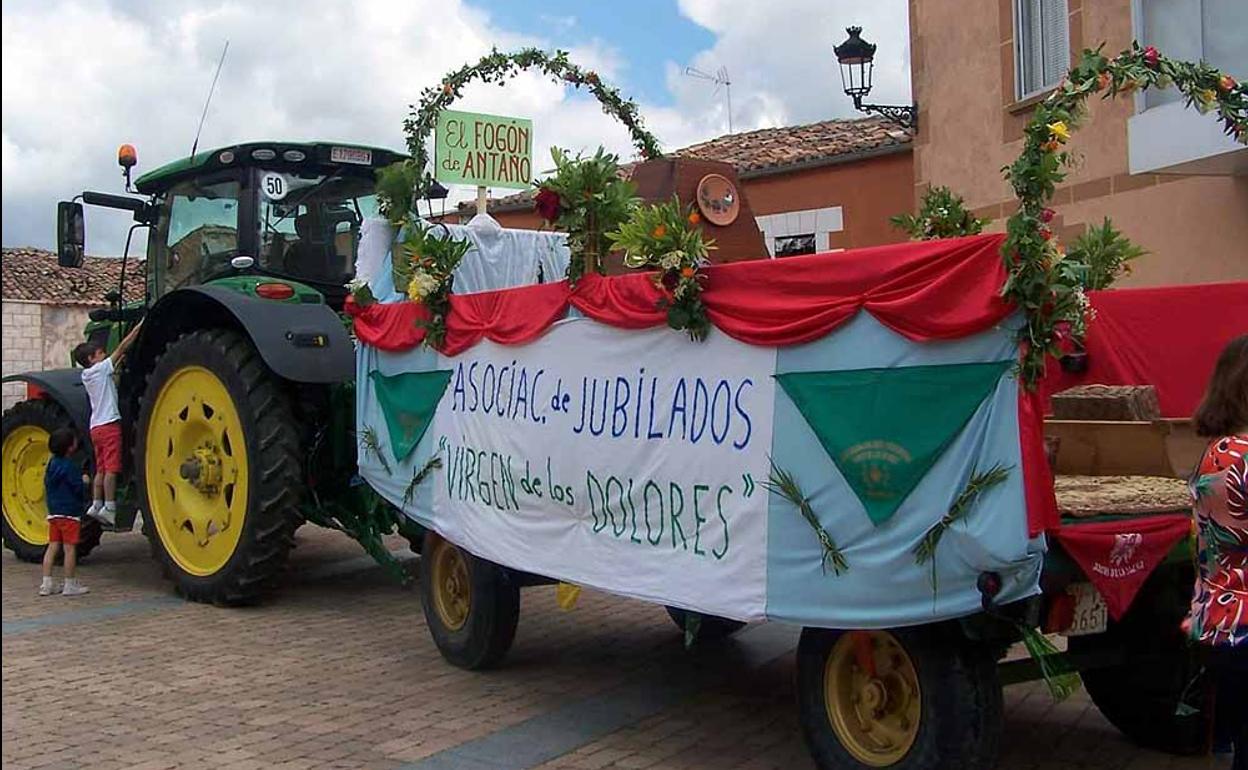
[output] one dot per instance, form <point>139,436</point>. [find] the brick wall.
<point>35,337</point>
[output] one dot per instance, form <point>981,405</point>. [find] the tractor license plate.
<point>1091,615</point>
<point>351,155</point>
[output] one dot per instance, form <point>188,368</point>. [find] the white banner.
<point>625,460</point>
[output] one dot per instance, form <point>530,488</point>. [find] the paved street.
<point>338,670</point>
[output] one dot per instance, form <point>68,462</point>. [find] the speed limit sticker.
<point>274,186</point>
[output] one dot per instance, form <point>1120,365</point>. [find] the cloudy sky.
<point>82,76</point>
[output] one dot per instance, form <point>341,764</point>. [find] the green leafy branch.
<point>666,236</point>
<point>423,267</point>
<point>782,483</point>
<point>420,475</point>
<point>586,197</point>
<point>372,447</point>
<point>1050,294</point>
<point>978,484</point>
<point>942,214</point>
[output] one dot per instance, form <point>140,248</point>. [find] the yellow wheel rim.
<point>195,470</point>
<point>452,586</point>
<point>25,456</point>
<point>875,715</point>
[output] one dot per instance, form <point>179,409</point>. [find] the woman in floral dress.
<point>1218,618</point>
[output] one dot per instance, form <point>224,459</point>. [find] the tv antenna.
<point>720,79</point>
<point>211,89</point>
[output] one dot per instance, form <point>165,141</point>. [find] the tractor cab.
<point>291,212</point>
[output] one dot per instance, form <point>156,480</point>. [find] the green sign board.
<point>483,150</point>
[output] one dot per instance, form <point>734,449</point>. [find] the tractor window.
<point>310,224</point>
<point>201,232</point>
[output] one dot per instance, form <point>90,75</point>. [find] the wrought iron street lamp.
<point>856,57</point>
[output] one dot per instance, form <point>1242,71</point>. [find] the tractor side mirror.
<point>71,234</point>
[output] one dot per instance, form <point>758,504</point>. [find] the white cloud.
<point>82,76</point>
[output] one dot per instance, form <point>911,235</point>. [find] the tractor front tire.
<point>24,527</point>
<point>217,458</point>
<point>471,605</point>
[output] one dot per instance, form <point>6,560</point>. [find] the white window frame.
<point>1020,59</point>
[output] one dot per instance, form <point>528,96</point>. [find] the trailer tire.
<point>26,427</point>
<point>935,700</point>
<point>1140,698</point>
<point>471,605</point>
<point>712,627</point>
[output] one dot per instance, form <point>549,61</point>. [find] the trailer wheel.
<point>26,428</point>
<point>711,628</point>
<point>908,698</point>
<point>471,605</point>
<point>218,468</point>
<point>1141,698</point>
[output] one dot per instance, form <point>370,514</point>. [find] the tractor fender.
<point>302,343</point>
<point>63,386</point>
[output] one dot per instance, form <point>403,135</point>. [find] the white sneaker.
<point>104,515</point>
<point>74,588</point>
<point>49,587</point>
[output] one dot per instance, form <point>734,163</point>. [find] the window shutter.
<point>1055,41</point>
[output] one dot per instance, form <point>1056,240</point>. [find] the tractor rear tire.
<point>215,422</point>
<point>26,427</point>
<point>471,605</point>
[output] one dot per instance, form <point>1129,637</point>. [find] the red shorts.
<point>107,442</point>
<point>63,530</point>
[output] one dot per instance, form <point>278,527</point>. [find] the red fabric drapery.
<point>928,290</point>
<point>1168,337</point>
<point>925,291</point>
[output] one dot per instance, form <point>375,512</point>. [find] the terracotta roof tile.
<point>32,275</point>
<point>774,149</point>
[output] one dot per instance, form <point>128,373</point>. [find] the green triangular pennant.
<point>408,402</point>
<point>884,428</point>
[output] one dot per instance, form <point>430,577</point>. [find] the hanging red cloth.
<point>1117,556</point>
<point>1168,337</point>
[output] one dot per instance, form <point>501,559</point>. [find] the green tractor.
<point>237,398</point>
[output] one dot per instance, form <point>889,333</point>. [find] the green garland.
<point>1049,293</point>
<point>401,184</point>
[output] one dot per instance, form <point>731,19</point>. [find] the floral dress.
<point>1219,487</point>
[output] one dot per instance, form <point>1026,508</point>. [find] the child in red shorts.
<point>64,489</point>
<point>97,378</point>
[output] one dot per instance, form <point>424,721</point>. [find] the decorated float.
<point>852,442</point>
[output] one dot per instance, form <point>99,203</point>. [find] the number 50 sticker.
<point>273,186</point>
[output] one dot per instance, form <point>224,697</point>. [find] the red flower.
<point>1046,215</point>
<point>1151,57</point>
<point>547,204</point>
<point>1046,233</point>
<point>1226,83</point>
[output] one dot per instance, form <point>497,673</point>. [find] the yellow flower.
<point>1208,95</point>
<point>1059,131</point>
<point>659,231</point>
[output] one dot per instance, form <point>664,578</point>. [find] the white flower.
<point>670,260</point>
<point>422,285</point>
<point>355,284</point>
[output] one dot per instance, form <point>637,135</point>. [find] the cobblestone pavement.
<point>338,670</point>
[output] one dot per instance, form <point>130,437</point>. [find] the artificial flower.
<point>694,217</point>
<point>1059,131</point>
<point>547,203</point>
<point>659,231</point>
<point>1046,233</point>
<point>1226,83</point>
<point>669,261</point>
<point>421,286</point>
<point>1046,215</point>
<point>687,272</point>
<point>1050,146</point>
<point>1103,80</point>
<point>1151,57</point>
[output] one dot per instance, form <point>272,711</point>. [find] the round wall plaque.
<point>718,200</point>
